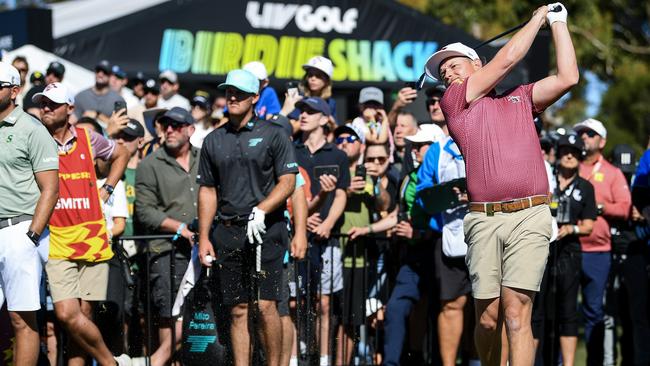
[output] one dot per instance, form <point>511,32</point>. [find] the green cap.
<point>242,80</point>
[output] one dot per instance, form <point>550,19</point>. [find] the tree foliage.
<point>611,38</point>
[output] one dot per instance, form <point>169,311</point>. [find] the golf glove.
<point>256,227</point>
<point>560,16</point>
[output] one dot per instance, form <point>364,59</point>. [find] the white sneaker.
<point>123,360</point>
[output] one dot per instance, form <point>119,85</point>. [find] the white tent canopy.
<point>76,78</point>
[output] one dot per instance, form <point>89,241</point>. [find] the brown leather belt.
<point>509,206</point>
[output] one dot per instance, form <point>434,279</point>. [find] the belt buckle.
<point>489,209</point>
<point>227,223</point>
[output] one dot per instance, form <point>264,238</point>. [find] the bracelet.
<point>370,231</point>
<point>179,231</point>
<point>576,229</point>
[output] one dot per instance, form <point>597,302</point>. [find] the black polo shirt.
<point>245,165</point>
<point>329,154</point>
<point>576,202</point>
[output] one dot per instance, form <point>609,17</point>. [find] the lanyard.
<point>596,168</point>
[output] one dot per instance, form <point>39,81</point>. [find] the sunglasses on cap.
<point>350,139</point>
<point>590,133</point>
<point>376,159</point>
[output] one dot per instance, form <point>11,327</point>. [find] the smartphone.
<point>410,84</point>
<point>402,216</point>
<point>326,169</point>
<point>292,88</point>
<point>360,171</point>
<point>119,105</point>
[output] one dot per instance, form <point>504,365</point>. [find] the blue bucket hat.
<point>242,80</point>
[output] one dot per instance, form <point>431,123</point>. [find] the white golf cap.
<point>258,69</point>
<point>9,74</point>
<point>427,133</point>
<point>321,63</point>
<point>168,75</point>
<point>432,67</point>
<point>56,92</point>
<point>592,124</point>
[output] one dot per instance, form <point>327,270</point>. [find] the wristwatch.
<point>34,237</point>
<point>109,188</point>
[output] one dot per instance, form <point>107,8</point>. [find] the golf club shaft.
<point>422,78</point>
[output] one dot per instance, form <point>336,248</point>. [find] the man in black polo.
<point>246,173</point>
<point>329,175</point>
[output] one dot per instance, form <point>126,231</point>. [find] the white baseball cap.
<point>9,74</point>
<point>591,124</point>
<point>427,133</point>
<point>56,92</point>
<point>321,63</point>
<point>168,75</point>
<point>258,69</point>
<point>432,67</point>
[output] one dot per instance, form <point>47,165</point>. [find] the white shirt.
<point>176,100</point>
<point>116,205</point>
<point>200,132</point>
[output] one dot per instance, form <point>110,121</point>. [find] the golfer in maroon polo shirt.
<point>509,225</point>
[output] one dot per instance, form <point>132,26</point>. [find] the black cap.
<point>201,98</point>
<point>315,103</point>
<point>177,114</point>
<point>151,85</point>
<point>104,66</point>
<point>150,117</point>
<point>572,141</point>
<point>133,128</point>
<point>624,158</point>
<point>138,78</point>
<point>36,77</point>
<point>55,68</point>
<point>118,72</point>
<point>437,90</point>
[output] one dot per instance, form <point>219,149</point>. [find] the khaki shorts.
<point>77,280</point>
<point>507,249</point>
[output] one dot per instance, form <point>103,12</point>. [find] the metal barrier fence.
<point>308,297</point>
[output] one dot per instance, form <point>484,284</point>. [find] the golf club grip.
<point>258,258</point>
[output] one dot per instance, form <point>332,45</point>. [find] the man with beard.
<point>166,203</point>
<point>98,102</point>
<point>247,172</point>
<point>28,191</point>
<point>77,269</point>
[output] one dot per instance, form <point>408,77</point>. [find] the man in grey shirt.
<point>29,187</point>
<point>98,101</point>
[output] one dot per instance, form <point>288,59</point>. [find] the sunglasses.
<point>50,105</point>
<point>418,145</point>
<point>433,101</point>
<point>309,111</point>
<point>238,94</point>
<point>176,126</point>
<point>317,73</point>
<point>349,139</point>
<point>376,159</point>
<point>590,133</point>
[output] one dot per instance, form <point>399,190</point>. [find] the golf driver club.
<point>423,77</point>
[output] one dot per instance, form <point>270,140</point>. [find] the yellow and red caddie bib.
<point>77,226</point>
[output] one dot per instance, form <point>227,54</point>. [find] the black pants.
<point>555,310</point>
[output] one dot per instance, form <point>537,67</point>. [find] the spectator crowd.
<point>360,221</point>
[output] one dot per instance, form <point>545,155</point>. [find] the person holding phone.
<point>326,207</point>
<point>373,119</point>
<point>98,101</point>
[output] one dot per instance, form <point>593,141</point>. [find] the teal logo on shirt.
<point>10,137</point>
<point>254,142</point>
<point>292,165</point>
